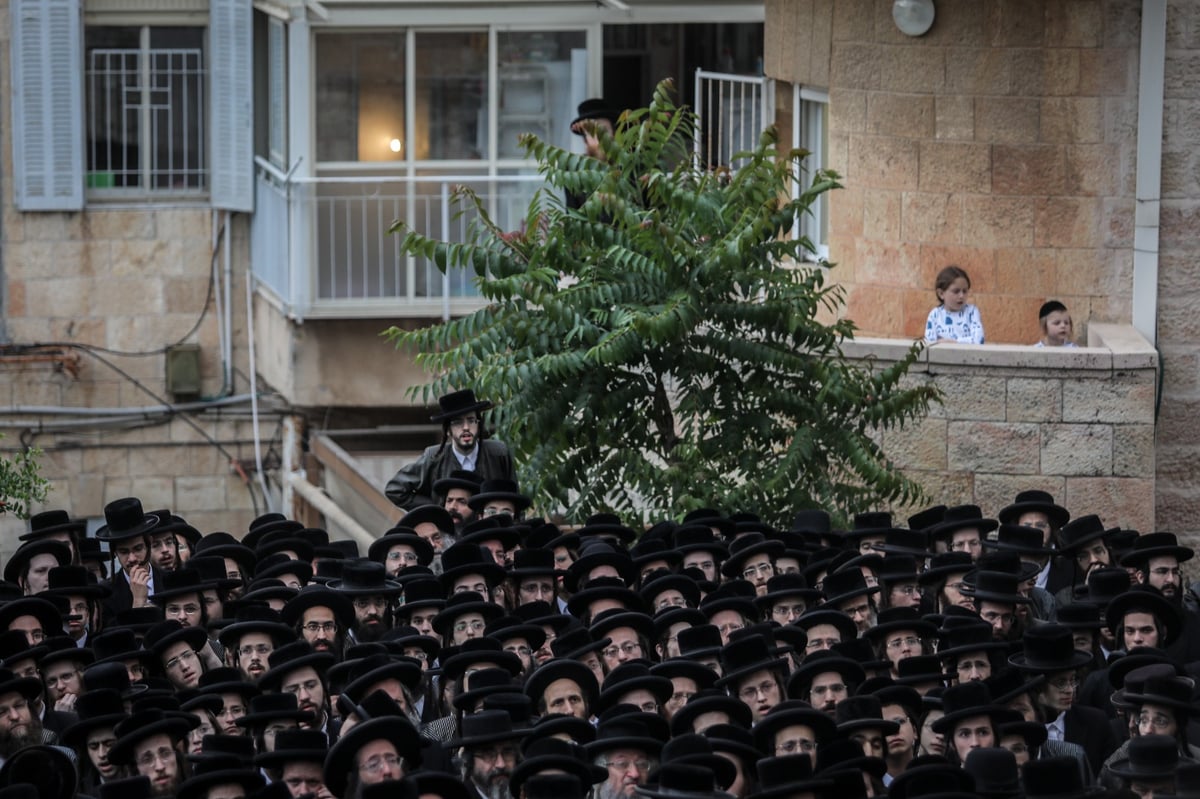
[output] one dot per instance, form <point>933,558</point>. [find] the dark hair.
<point>483,431</point>
<point>1049,307</point>
<point>946,277</point>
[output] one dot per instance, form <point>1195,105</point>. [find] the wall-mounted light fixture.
<point>913,17</point>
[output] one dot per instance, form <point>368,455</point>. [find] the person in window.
<point>466,445</point>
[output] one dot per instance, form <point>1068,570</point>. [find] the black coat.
<point>1090,728</point>
<point>413,484</point>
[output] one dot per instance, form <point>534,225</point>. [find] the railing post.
<point>446,237</point>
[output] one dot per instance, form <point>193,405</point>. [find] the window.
<point>810,130</point>
<point>145,110</point>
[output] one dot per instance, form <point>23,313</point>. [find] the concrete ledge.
<point>1110,347</point>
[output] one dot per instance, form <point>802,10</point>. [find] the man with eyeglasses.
<point>793,728</point>
<point>628,749</point>
<point>365,583</point>
<point>630,635</point>
<point>400,548</point>
<point>382,749</point>
<point>149,742</point>
<point>297,669</point>
<point>1155,562</point>
<point>753,674</point>
<point>251,638</point>
<point>466,446</point>
<point>488,751</point>
<point>824,679</point>
<point>297,760</point>
<point>321,618</point>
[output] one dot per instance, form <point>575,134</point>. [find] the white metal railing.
<point>322,244</point>
<point>145,120</point>
<point>732,111</point>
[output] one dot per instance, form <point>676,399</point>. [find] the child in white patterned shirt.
<point>954,320</point>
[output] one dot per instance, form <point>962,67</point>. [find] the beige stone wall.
<point>1002,141</point>
<point>1077,423</point>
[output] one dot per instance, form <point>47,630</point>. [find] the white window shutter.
<point>47,102</point>
<point>231,116</point>
<point>277,92</point>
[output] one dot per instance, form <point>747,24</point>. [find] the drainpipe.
<point>1149,168</point>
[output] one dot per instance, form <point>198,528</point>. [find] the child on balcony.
<point>954,319</point>
<point>1056,325</point>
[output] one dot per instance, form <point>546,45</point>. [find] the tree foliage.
<point>662,347</point>
<point>21,483</point>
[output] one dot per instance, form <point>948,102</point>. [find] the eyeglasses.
<point>764,569</point>
<point>180,659</point>
<point>907,590</point>
<point>1017,749</point>
<point>956,586</point>
<point>492,754</point>
<point>320,626</point>
<point>463,626</point>
<point>377,763</point>
<point>796,745</point>
<point>768,688</point>
<point>464,421</point>
<point>309,686</point>
<point>492,510</point>
<point>1164,571</point>
<point>522,651</point>
<point>641,764</point>
<point>416,654</point>
<point>680,698</point>
<point>648,707</point>
<point>1158,721</point>
<point>255,649</point>
<point>993,616</point>
<point>911,642</point>
<point>1065,684</point>
<point>163,754</point>
<point>629,648</point>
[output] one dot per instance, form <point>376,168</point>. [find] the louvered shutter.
<point>231,116</point>
<point>277,92</point>
<point>47,103</point>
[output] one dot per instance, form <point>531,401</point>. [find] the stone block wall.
<point>1077,423</point>
<point>1002,141</point>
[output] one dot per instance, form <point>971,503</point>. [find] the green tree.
<point>664,346</point>
<point>21,483</point>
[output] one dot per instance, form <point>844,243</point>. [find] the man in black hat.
<point>364,582</point>
<point>489,750</point>
<point>456,492</point>
<point>465,446</point>
<point>19,725</point>
<point>1155,560</point>
<point>126,530</point>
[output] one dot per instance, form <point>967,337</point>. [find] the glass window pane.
<point>451,88</point>
<point>542,78</point>
<point>113,64</point>
<point>360,97</point>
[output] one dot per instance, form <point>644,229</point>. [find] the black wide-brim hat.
<point>197,786</point>
<point>1000,587</point>
<point>587,773</point>
<point>269,707</point>
<point>1150,757</point>
<point>124,518</point>
<point>143,725</point>
<point>1048,648</point>
<point>487,727</point>
<point>1079,532</point>
<point>64,648</point>
<point>364,577</point>
<point>68,581</point>
<point>48,769</point>
<point>46,610</point>
<point>813,618</point>
<point>611,620</point>
<point>906,542</point>
<point>502,490</point>
<point>894,620</point>
<point>396,729</point>
<point>747,546</point>
<point>594,108</point>
<point>1021,540</point>
<point>606,525</point>
<point>787,714</point>
<point>1156,545</point>
<point>77,733</point>
<point>459,478</point>
<point>166,633</point>
<point>397,536</point>
<point>52,521</point>
<point>297,746</point>
<point>943,565</point>
<point>818,663</point>
<point>962,517</point>
<point>1035,501</point>
<point>286,659</point>
<point>843,585</point>
<point>455,661</point>
<point>660,688</point>
<point>26,552</point>
<point>318,596</point>
<point>454,405</point>
<point>466,558</point>
<point>562,669</point>
<point>1138,598</point>
<point>702,675</point>
<point>460,605</point>
<point>964,701</point>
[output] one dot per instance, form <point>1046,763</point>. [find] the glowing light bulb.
<point>394,145</point>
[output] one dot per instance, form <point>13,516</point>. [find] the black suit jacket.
<point>1089,728</point>
<point>413,484</point>
<point>122,598</point>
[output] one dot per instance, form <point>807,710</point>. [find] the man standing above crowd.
<point>465,446</point>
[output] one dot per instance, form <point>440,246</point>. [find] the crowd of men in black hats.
<point>476,654</point>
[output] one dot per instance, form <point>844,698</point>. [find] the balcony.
<point>320,246</point>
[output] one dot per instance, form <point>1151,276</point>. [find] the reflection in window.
<point>451,96</point>
<point>360,97</point>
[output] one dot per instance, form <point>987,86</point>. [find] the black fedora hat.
<point>862,712</point>
<point>465,558</point>
<point>786,586</point>
<point>894,620</point>
<point>397,536</point>
<point>268,707</point>
<point>993,586</point>
<point>1055,778</point>
<point>218,771</point>
<point>790,713</point>
<point>48,611</point>
<point>459,478</point>
<point>814,618</point>
<point>459,403</point>
<point>815,522</point>
<point>1139,598</point>
<point>370,670</point>
<point>124,518</point>
<point>963,701</point>
<point>1035,501</point>
<point>563,669</point>
<point>745,656</point>
<point>1150,757</point>
<point>67,581</point>
<point>786,776</point>
<point>1048,648</point>
<point>944,564</point>
<point>553,754</point>
<point>256,619</point>
<point>962,517</point>
<point>27,552</point>
<point>626,731</point>
<point>291,746</point>
<point>436,515</point>
<point>178,583</point>
<point>28,687</point>
<point>711,700</point>
<point>572,644</point>
<point>1169,691</point>
<point>461,604</point>
<point>1021,540</point>
<point>286,659</point>
<point>616,618</point>
<point>396,729</point>
<point>52,521</point>
<point>594,108</point>
<point>49,769</point>
<point>1080,616</point>
<point>678,780</point>
<point>606,525</point>
<point>166,633</point>
<point>318,596</point>
<point>477,653</point>
<point>995,773</point>
<point>823,662</point>
<point>747,546</point>
<point>699,642</point>
<point>1078,533</point>
<point>266,524</point>
<point>871,524</point>
<point>1156,545</point>
<point>146,724</point>
<point>899,541</point>
<point>488,727</point>
<point>96,710</point>
<point>501,489</point>
<point>921,670</point>
<point>699,538</point>
<point>929,780</point>
<point>842,586</point>
<point>972,635</point>
<point>363,577</point>
<point>632,676</point>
